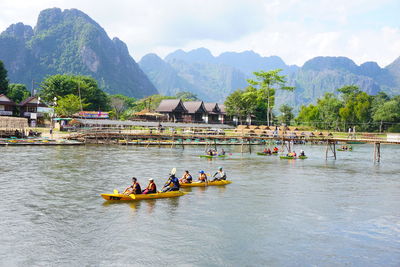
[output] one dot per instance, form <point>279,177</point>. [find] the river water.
<point>275,213</point>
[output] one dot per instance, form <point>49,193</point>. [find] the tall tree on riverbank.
<point>266,83</point>
<point>84,87</point>
<point>3,79</point>
<point>17,92</point>
<point>257,99</point>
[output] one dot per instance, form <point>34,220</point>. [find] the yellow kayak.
<point>123,197</point>
<point>196,184</point>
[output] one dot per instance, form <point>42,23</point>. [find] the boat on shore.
<point>131,197</point>
<point>204,184</point>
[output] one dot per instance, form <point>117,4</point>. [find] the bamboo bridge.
<point>286,140</point>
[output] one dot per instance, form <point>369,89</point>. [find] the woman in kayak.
<point>134,188</point>
<point>202,177</point>
<point>151,188</point>
<point>186,178</point>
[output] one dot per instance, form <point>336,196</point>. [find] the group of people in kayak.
<point>214,152</point>
<point>136,189</point>
<point>268,151</point>
<point>293,154</point>
<point>173,183</point>
<point>346,147</point>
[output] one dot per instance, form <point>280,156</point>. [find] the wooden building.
<point>196,111</point>
<point>7,106</point>
<point>173,109</point>
<point>29,109</point>
<point>214,113</point>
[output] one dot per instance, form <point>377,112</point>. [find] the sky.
<point>295,30</point>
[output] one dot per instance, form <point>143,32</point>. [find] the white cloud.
<point>296,30</point>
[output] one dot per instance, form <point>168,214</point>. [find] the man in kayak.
<point>222,152</point>
<point>219,175</point>
<point>134,188</point>
<point>151,188</point>
<point>202,177</point>
<point>269,152</point>
<point>186,178</point>
<point>172,184</point>
<point>302,153</point>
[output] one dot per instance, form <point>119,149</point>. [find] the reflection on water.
<point>276,212</point>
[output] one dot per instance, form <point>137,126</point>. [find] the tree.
<point>308,115</point>
<point>286,114</point>
<point>69,105</point>
<point>121,103</point>
<point>241,103</point>
<point>151,102</point>
<point>17,92</point>
<point>328,111</point>
<point>82,86</point>
<point>3,79</point>
<point>356,107</point>
<point>388,112</point>
<point>267,82</point>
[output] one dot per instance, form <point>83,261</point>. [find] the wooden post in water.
<point>334,150</point>
<point>377,152</point>
<point>326,150</point>
<point>249,145</point>
<point>241,147</point>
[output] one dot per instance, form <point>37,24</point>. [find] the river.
<point>275,213</point>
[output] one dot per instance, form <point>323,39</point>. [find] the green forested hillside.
<point>71,42</point>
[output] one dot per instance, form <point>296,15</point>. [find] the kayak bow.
<point>202,184</point>
<point>122,197</point>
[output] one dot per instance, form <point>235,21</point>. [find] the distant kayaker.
<point>151,188</point>
<point>219,175</point>
<point>172,184</point>
<point>134,188</point>
<point>222,152</point>
<point>202,177</point>
<point>302,153</point>
<point>186,178</point>
<point>210,152</point>
<point>276,150</point>
<point>269,151</point>
<point>294,153</point>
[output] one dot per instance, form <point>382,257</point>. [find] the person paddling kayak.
<point>202,177</point>
<point>219,175</point>
<point>151,188</point>
<point>134,188</point>
<point>186,178</point>
<point>172,184</point>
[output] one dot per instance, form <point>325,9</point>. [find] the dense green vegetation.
<point>352,108</point>
<point>17,92</point>
<point>69,105</point>
<point>3,79</point>
<point>86,87</point>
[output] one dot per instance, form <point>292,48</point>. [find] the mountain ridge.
<point>69,41</point>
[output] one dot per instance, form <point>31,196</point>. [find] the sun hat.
<point>151,179</point>
<point>201,171</point>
